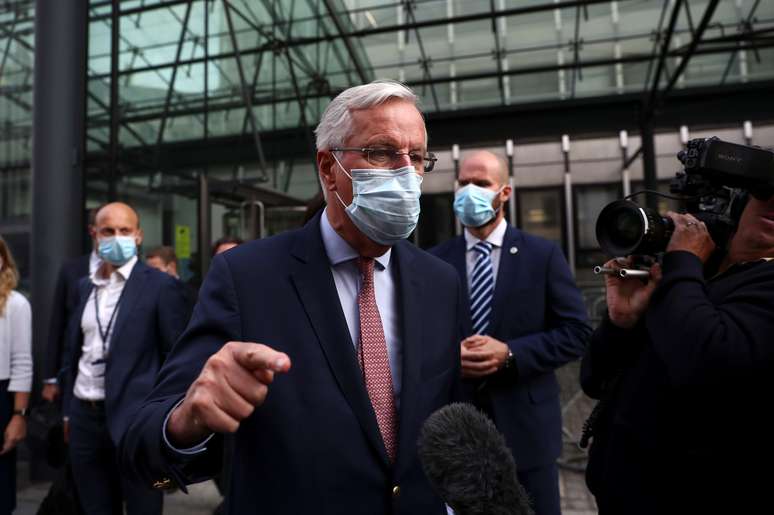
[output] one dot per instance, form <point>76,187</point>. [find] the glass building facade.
<point>200,113</point>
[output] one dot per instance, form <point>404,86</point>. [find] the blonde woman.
<point>15,374</point>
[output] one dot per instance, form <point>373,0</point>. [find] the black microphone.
<point>467,462</point>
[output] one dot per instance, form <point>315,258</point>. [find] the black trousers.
<point>542,485</point>
<point>101,488</point>
<point>8,461</point>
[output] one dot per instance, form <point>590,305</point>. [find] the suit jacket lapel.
<point>132,292</point>
<point>507,272</point>
<point>410,300</point>
<point>313,280</point>
<point>85,286</point>
<point>458,259</point>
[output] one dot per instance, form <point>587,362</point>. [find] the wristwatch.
<point>510,361</point>
<point>23,412</point>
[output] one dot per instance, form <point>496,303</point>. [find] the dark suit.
<point>538,312</point>
<point>314,446</point>
<point>152,313</point>
<point>65,303</point>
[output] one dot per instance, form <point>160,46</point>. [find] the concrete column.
<point>58,149</point>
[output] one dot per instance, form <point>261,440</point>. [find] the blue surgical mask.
<point>117,250</point>
<point>473,205</point>
<point>385,203</point>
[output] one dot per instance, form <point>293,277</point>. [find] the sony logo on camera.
<point>728,157</point>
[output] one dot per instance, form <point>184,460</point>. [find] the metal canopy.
<point>166,74</point>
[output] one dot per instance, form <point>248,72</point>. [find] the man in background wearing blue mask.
<point>349,329</point>
<point>524,318</point>
<point>128,318</point>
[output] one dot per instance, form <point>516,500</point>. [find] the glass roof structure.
<point>162,72</point>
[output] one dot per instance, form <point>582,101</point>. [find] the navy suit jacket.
<point>314,445</point>
<point>151,316</point>
<point>65,303</point>
<point>538,312</point>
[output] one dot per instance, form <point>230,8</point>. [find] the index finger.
<point>256,356</point>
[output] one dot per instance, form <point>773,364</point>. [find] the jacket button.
<point>162,484</point>
<point>395,491</point>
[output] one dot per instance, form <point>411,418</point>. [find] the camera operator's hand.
<point>628,298</point>
<point>690,235</point>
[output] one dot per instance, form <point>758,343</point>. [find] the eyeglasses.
<point>389,157</point>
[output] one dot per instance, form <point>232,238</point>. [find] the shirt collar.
<point>94,262</point>
<point>495,237</point>
<point>122,273</point>
<point>339,250</point>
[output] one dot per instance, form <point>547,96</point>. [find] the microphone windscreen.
<point>468,463</point>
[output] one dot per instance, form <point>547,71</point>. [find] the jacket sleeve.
<point>701,342</point>
<point>71,340</point>
<point>567,328</point>
<point>611,349</point>
<point>20,316</point>
<point>173,314</point>
<point>143,454</point>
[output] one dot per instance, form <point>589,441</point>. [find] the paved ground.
<point>203,498</point>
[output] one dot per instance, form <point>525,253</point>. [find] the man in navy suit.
<point>65,303</point>
<point>127,320</point>
<point>524,318</point>
<point>367,320</point>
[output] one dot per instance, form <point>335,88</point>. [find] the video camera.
<point>717,176</point>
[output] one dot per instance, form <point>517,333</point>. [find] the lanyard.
<point>106,332</point>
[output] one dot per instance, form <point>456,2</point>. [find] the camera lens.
<point>626,225</point>
<point>624,228</point>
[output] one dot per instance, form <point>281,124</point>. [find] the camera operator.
<point>684,369</point>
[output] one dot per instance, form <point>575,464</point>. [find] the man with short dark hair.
<point>127,320</point>
<point>163,259</point>
<point>226,243</point>
<point>64,304</point>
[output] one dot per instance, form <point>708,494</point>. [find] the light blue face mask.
<point>117,250</point>
<point>385,203</point>
<point>473,205</point>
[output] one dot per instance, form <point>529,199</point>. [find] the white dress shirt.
<point>348,282</point>
<point>16,343</point>
<point>495,238</point>
<point>90,382</point>
<point>94,262</point>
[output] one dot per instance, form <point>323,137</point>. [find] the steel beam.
<point>650,102</point>
<point>7,49</point>
<point>347,42</point>
<point>246,96</point>
<point>115,115</point>
<point>269,99</point>
<point>425,62</point>
<point>171,87</point>
<point>747,25</point>
<point>699,32</point>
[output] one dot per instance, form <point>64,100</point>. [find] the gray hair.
<point>336,122</point>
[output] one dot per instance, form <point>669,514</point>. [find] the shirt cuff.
<point>190,451</point>
<point>51,380</point>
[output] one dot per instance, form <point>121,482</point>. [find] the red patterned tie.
<point>372,356</point>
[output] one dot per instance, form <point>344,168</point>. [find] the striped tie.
<point>481,288</point>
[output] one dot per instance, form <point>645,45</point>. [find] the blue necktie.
<point>481,288</point>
